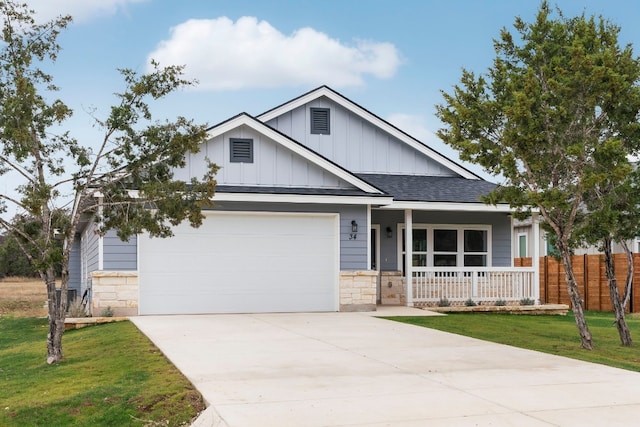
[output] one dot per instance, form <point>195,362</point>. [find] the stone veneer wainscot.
<point>358,290</point>
<point>115,289</point>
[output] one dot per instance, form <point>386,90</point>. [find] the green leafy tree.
<point>614,216</point>
<point>559,92</point>
<point>123,181</point>
<point>13,260</point>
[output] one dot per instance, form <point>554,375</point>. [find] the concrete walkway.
<point>352,369</point>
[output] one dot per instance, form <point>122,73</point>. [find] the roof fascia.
<point>301,198</point>
<point>245,119</point>
<point>367,115</point>
<point>449,206</point>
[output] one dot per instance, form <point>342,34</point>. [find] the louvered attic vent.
<point>241,150</point>
<point>320,121</point>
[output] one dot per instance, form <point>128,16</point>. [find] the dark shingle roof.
<point>412,188</point>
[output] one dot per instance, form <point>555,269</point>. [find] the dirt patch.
<point>22,297</point>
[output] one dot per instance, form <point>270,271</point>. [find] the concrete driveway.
<point>352,369</point>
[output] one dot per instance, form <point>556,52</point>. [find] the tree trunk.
<point>574,294</point>
<point>628,288</point>
<point>57,313</point>
<point>616,301</point>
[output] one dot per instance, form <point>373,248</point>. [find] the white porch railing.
<point>430,284</point>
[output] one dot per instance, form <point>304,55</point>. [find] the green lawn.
<point>112,375</point>
<point>549,334</point>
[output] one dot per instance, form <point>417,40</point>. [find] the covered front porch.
<point>454,255</point>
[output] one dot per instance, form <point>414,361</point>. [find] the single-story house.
<point>311,212</point>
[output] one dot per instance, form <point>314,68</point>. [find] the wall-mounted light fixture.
<point>354,230</point>
<point>389,232</point>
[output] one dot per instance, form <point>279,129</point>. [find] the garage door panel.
<point>243,263</point>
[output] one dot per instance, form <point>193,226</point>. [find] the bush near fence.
<point>591,277</point>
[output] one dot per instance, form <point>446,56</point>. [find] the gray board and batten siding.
<point>116,255</point>
<point>75,267</point>
<point>91,248</point>
<point>272,165</point>
<point>356,144</point>
<point>119,255</point>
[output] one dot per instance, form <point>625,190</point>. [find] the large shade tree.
<point>124,181</point>
<point>560,91</point>
<point>613,208</point>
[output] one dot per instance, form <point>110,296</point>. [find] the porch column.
<point>535,262</point>
<point>408,263</point>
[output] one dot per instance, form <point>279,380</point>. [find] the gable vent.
<point>241,150</point>
<point>320,121</point>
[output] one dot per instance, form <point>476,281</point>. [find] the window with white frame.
<point>476,248</point>
<point>419,246</point>
<point>523,247</point>
<point>447,246</point>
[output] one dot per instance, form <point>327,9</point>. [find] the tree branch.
<point>18,169</point>
<point>14,201</point>
<point>13,229</point>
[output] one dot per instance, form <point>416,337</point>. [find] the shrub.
<point>501,303</point>
<point>444,302</point>
<point>527,301</point>
<point>470,303</point>
<point>107,312</point>
<point>76,308</point>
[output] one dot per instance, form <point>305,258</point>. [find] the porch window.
<point>475,248</point>
<point>447,246</point>
<point>419,258</point>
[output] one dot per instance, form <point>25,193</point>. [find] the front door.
<point>375,258</point>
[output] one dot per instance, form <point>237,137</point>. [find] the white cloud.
<point>80,10</point>
<point>223,55</point>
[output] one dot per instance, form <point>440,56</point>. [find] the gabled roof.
<point>244,119</point>
<point>372,118</point>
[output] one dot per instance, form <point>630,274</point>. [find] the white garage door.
<point>242,263</point>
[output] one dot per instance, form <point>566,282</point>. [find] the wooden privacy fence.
<point>591,277</point>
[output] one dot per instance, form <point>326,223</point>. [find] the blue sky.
<point>391,57</point>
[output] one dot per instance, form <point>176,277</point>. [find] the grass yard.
<point>549,334</point>
<point>112,375</point>
<point>23,297</point>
